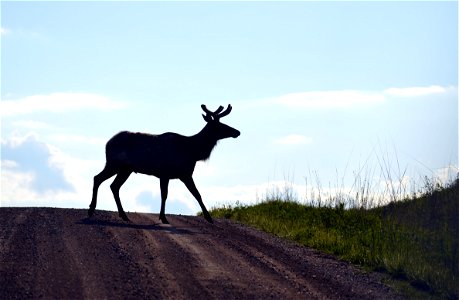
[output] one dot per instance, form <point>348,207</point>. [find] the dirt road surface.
<point>53,253</point>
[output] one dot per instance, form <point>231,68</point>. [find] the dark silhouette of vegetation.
<point>166,156</point>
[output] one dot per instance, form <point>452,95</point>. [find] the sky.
<point>327,95</point>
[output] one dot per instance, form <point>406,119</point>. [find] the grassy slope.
<point>415,240</point>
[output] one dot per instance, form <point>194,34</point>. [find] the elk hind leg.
<point>105,174</point>
<point>120,179</point>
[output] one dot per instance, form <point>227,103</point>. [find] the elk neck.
<point>202,144</point>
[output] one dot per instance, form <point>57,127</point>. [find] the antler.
<point>226,112</point>
<point>216,115</point>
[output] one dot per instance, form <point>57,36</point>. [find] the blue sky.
<point>329,90</point>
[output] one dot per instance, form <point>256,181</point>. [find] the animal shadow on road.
<point>156,227</point>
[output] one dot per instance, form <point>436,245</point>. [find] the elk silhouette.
<point>166,156</point>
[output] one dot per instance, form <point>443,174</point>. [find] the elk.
<point>166,156</point>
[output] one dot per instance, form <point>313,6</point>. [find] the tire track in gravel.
<point>59,253</point>
<point>229,260</point>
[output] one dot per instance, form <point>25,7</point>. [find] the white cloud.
<point>415,91</point>
<point>17,139</point>
<point>329,99</point>
<point>446,174</point>
<point>4,31</point>
<point>57,103</point>
<point>293,139</point>
<point>16,189</point>
<point>35,173</point>
<point>32,156</point>
<point>8,164</point>
<point>349,98</point>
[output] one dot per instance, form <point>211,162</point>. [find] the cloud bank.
<point>32,158</point>
<point>416,91</point>
<point>329,99</point>
<point>349,98</point>
<point>57,103</point>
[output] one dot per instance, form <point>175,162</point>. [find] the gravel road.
<point>54,253</point>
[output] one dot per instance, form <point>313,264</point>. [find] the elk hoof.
<point>208,218</point>
<point>164,220</point>
<point>124,216</point>
<point>90,212</point>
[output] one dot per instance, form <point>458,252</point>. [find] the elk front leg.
<point>189,183</point>
<point>164,184</point>
<point>106,173</point>
<point>115,187</point>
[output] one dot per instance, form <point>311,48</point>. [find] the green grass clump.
<point>415,240</point>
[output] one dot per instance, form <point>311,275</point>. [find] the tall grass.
<point>414,236</point>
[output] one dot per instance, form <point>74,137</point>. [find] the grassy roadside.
<point>415,240</point>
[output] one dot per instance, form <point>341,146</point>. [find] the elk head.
<point>214,127</point>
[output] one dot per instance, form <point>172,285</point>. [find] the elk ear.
<point>207,118</point>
